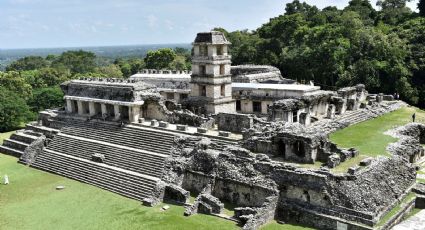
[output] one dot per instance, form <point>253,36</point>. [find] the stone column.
<point>103,108</point>
<point>117,112</point>
<point>70,107</point>
<point>133,113</point>
<point>92,108</point>
<point>80,107</point>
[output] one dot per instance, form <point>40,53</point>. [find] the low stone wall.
<point>33,150</point>
<point>195,182</point>
<point>261,215</point>
<point>397,218</point>
<point>409,143</point>
<point>234,122</point>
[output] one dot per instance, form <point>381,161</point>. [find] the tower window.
<point>238,105</point>
<point>256,106</point>
<point>219,50</point>
<point>203,91</point>
<point>223,90</point>
<point>203,50</point>
<point>202,70</point>
<point>295,116</point>
<point>222,69</point>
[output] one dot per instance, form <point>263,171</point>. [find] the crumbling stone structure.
<point>265,189</point>
<point>411,138</point>
<point>102,132</point>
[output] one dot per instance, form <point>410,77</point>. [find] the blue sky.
<point>70,23</point>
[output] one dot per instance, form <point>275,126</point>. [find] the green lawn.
<point>31,202</point>
<point>369,138</point>
<point>4,136</point>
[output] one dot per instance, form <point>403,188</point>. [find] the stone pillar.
<point>80,108</point>
<point>70,107</point>
<point>117,112</point>
<point>103,108</point>
<point>331,112</point>
<point>133,113</point>
<point>92,109</point>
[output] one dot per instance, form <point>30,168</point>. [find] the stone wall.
<point>410,142</point>
<point>234,122</point>
<point>246,180</point>
<point>33,150</point>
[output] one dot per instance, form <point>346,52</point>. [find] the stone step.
<point>14,144</point>
<point>148,138</point>
<point>10,151</point>
<point>97,174</point>
<point>22,137</point>
<point>114,146</point>
<point>148,168</point>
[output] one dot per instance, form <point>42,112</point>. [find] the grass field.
<point>369,138</point>
<point>30,202</point>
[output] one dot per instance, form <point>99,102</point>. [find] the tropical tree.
<point>13,110</point>
<point>160,59</point>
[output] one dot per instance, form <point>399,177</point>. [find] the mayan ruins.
<point>241,135</point>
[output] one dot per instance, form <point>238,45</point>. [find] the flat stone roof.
<point>283,87</point>
<point>159,76</point>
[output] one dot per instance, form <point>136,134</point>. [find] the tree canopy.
<point>160,59</point>
<point>13,110</point>
<point>383,49</point>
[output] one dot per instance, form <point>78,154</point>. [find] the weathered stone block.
<point>223,134</point>
<point>182,127</point>
<point>97,157</point>
<point>141,120</point>
<point>163,124</point>
<point>176,194</point>
<point>353,170</point>
<point>201,130</point>
<point>154,123</point>
<point>388,98</point>
<point>333,161</point>
<point>366,162</point>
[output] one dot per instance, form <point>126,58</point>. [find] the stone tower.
<point>211,81</point>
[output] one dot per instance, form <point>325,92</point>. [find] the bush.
<point>46,98</point>
<point>13,110</point>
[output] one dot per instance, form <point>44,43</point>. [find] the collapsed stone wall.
<point>362,197</point>
<point>234,122</point>
<point>257,74</point>
<point>409,145</point>
<point>33,150</point>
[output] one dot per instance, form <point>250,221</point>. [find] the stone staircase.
<point>135,160</point>
<point>16,144</point>
<point>138,138</point>
<point>132,158</point>
<point>124,182</point>
<point>354,117</point>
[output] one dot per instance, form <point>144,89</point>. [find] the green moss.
<point>420,180</point>
<point>412,213</point>
<point>396,209</point>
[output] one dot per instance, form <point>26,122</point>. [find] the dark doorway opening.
<point>281,146</point>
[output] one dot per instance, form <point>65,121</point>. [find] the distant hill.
<point>111,52</point>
